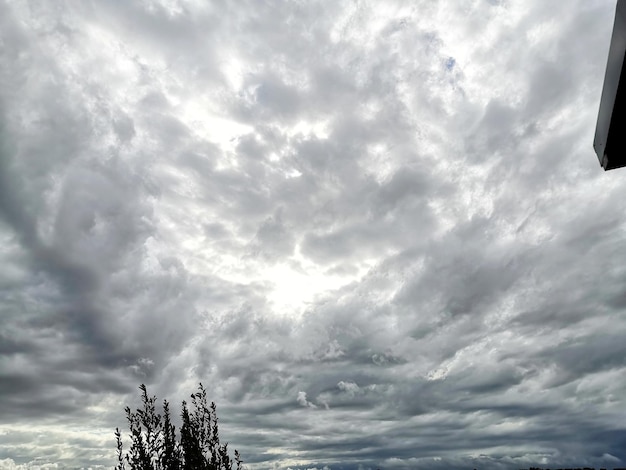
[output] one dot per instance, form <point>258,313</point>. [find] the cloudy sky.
<point>377,232</point>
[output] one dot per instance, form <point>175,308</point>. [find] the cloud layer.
<point>378,234</point>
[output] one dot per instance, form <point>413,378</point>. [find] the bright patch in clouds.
<point>296,285</point>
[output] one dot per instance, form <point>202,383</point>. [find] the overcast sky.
<point>377,232</point>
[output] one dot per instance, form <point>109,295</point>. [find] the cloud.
<point>376,233</point>
<point>349,387</point>
<point>302,401</point>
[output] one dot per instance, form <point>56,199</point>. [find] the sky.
<point>377,232</point>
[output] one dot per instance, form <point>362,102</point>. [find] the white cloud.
<point>302,400</point>
<point>349,387</point>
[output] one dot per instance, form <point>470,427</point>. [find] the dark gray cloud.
<point>378,234</point>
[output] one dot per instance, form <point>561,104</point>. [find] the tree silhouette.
<point>153,438</point>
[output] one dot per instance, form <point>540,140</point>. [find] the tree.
<point>153,438</point>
